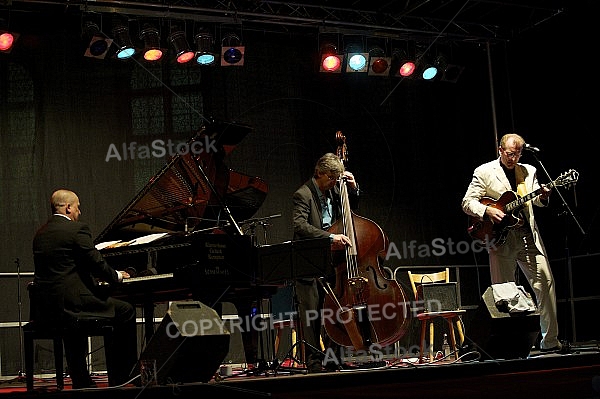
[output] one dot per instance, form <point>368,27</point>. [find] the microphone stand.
<point>20,315</point>
<point>254,222</point>
<point>569,212</point>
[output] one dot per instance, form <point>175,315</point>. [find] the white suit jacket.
<point>489,180</point>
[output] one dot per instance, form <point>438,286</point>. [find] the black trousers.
<point>124,347</point>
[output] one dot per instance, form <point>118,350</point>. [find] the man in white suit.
<point>523,244</point>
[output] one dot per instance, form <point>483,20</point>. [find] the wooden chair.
<point>280,326</point>
<point>283,306</point>
<point>51,324</point>
<point>296,339</point>
<point>426,318</point>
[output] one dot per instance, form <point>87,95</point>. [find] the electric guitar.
<point>487,233</point>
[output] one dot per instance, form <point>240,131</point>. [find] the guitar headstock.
<point>568,178</point>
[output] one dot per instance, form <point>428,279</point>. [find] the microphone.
<point>531,148</point>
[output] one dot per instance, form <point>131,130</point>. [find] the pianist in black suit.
<point>66,267</point>
<point>317,206</point>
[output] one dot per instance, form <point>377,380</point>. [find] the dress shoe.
<point>554,349</point>
<point>314,363</point>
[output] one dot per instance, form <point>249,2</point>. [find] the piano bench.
<point>43,331</point>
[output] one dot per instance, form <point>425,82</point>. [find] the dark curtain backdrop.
<point>412,145</point>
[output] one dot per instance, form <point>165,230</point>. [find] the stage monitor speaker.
<point>500,335</point>
<point>229,315</point>
<point>189,344</point>
<point>438,297</point>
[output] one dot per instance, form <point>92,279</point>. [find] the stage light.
<point>183,52</point>
<point>151,38</point>
<point>357,62</point>
<point>7,38</point>
<point>429,72</point>
<point>407,68</point>
<point>403,65</point>
<point>447,72</point>
<point>379,64</point>
<point>98,47</point>
<point>99,44</point>
<point>232,51</point>
<point>125,46</point>
<point>331,62</point>
<point>233,56</point>
<point>356,59</point>
<point>7,41</point>
<point>204,48</point>
<point>429,69</point>
<point>452,73</point>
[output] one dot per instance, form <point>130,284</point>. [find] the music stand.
<point>290,261</point>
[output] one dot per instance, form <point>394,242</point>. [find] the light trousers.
<point>520,248</point>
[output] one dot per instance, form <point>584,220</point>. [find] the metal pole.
<point>19,306</point>
<point>492,97</point>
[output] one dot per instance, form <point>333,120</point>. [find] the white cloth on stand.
<point>513,297</point>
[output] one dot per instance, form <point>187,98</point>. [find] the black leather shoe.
<point>314,363</point>
<point>314,366</point>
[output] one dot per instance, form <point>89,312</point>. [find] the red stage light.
<point>331,63</point>
<point>407,69</point>
<point>380,65</point>
<point>6,41</point>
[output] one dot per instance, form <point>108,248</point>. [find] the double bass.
<point>365,307</point>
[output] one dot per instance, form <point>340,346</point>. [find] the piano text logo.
<point>216,271</point>
<point>159,149</point>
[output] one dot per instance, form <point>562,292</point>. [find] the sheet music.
<point>137,241</point>
<point>100,246</point>
<point>150,277</point>
<point>147,239</point>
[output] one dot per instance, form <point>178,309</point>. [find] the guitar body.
<point>486,232</point>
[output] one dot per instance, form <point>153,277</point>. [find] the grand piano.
<point>180,236</point>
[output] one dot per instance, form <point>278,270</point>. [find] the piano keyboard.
<point>150,277</point>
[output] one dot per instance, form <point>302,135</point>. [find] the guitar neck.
<point>511,206</point>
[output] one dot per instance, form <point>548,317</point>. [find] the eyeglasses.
<point>332,178</point>
<point>516,154</point>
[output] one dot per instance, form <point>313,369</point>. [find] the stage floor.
<point>571,375</point>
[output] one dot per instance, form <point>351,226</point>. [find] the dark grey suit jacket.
<point>308,213</point>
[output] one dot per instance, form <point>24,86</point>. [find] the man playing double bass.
<point>317,206</point>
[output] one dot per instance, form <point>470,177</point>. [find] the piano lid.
<point>193,190</point>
